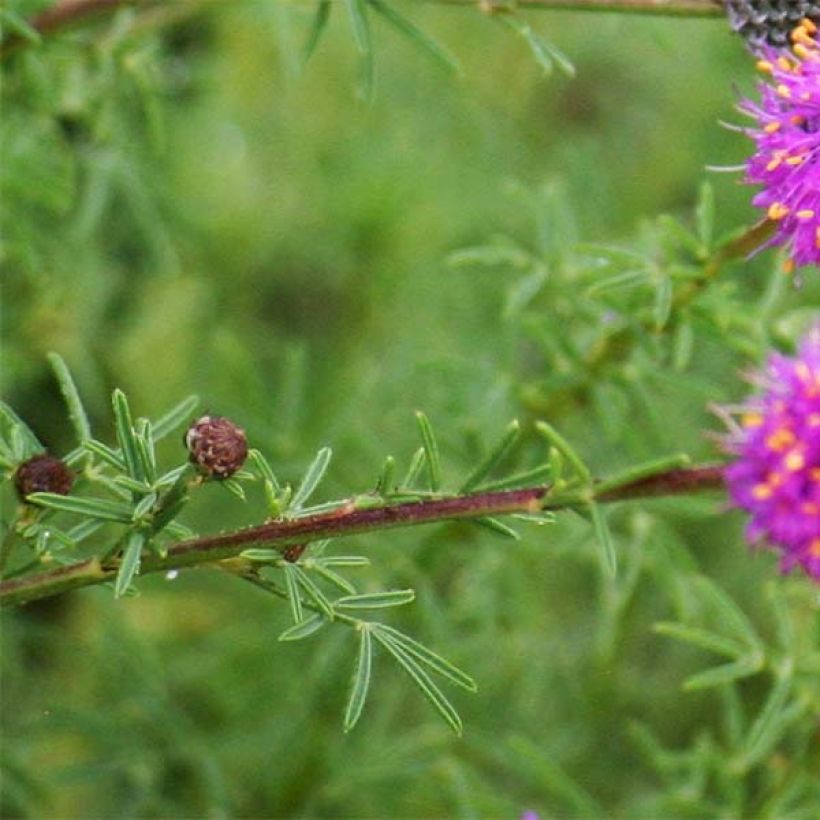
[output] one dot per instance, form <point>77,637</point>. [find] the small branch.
<point>353,520</point>
<point>668,8</point>
<point>66,13</point>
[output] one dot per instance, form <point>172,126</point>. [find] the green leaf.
<point>179,414</point>
<point>29,443</point>
<point>314,474</point>
<point>430,451</point>
<point>727,612</point>
<point>702,638</point>
<point>427,43</point>
<point>423,681</point>
<point>609,558</point>
<point>534,476</point>
<point>76,411</point>
<point>317,28</point>
<point>145,449</point>
<point>357,12</point>
<point>416,463</point>
<point>129,567</point>
<point>89,507</point>
<point>386,483</point>
<point>234,488</point>
<point>545,54</point>
<point>662,308</point>
<point>376,600</point>
<point>641,471</point>
<point>769,725</point>
<point>361,679</point>
<point>263,555</point>
<point>305,629</point>
<point>19,26</point>
<point>343,561</point>
<point>105,453</point>
<point>727,673</point>
<point>335,579</point>
<point>313,592</point>
<point>496,526</point>
<point>126,437</point>
<point>558,441</point>
<point>292,588</point>
<point>430,659</point>
<point>264,469</point>
<point>493,457</point>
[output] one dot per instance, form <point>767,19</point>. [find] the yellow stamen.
<point>777,210</point>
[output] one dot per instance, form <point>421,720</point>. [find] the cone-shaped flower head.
<point>775,476</point>
<point>769,21</point>
<point>787,160</point>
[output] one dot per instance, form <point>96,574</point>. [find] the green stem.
<point>353,520</point>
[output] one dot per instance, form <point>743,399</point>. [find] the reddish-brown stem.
<point>352,519</point>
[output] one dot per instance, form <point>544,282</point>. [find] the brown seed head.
<point>43,474</point>
<point>217,446</point>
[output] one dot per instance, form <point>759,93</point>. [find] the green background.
<point>189,211</point>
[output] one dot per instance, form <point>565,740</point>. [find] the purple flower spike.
<point>776,474</point>
<point>787,160</point>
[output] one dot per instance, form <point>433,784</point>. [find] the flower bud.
<point>43,474</point>
<point>217,445</point>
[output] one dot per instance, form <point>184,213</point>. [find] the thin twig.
<point>351,520</point>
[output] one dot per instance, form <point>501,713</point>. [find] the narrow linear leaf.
<point>313,592</point>
<point>361,679</point>
<point>130,563</point>
<point>76,411</point>
<point>179,414</point>
<point>313,475</point>
<point>334,578</point>
<point>430,450</point>
<point>234,488</point>
<point>144,506</point>
<point>145,450</point>
<point>431,659</point>
<point>534,476</point>
<point>305,629</point>
<point>558,441</point>
<point>264,469</point>
<point>641,471</point>
<point>416,464</point>
<point>30,442</point>
<point>343,561</point>
<point>768,727</point>
<point>126,438</point>
<point>262,555</point>
<point>662,308</point>
<point>726,673</point>
<point>427,43</point>
<point>609,558</point>
<point>357,12</point>
<point>88,507</point>
<point>317,29</point>
<point>105,453</point>
<point>493,457</point>
<point>292,589</point>
<point>728,612</point>
<point>702,638</point>
<point>18,25</point>
<point>376,600</point>
<point>498,527</point>
<point>386,483</point>
<point>423,681</point>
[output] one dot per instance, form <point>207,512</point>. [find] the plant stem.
<point>352,520</point>
<point>66,13</point>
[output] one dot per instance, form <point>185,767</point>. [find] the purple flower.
<point>787,160</point>
<point>776,473</point>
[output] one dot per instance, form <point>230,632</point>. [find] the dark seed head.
<point>769,22</point>
<point>217,446</point>
<point>43,474</point>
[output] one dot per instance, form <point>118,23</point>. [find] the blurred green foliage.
<point>188,208</point>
